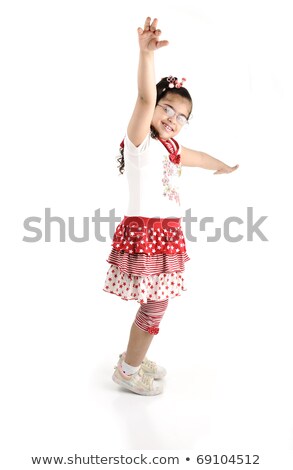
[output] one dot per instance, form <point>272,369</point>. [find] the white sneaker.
<point>138,382</point>
<point>149,367</point>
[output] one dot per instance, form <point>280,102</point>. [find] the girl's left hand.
<point>226,169</point>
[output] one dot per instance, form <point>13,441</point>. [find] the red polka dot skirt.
<point>147,259</point>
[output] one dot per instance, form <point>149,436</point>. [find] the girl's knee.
<point>149,315</point>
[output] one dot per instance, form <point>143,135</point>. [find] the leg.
<point>139,343</point>
<point>148,315</point>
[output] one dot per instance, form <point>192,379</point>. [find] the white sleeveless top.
<point>153,180</point>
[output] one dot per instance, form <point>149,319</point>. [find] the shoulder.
<point>136,150</point>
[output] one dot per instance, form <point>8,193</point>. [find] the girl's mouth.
<point>167,127</point>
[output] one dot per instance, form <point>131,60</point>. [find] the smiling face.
<point>166,126</point>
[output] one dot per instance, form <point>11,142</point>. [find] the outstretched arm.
<point>203,160</point>
<point>140,121</point>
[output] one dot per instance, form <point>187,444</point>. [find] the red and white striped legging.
<point>149,315</point>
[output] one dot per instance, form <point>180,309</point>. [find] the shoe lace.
<point>151,364</point>
<point>146,379</point>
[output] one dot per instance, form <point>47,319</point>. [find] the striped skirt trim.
<point>144,265</point>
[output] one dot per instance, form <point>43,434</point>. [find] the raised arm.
<point>139,124</point>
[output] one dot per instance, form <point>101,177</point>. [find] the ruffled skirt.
<point>147,259</point>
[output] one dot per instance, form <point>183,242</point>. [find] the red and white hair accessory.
<point>174,82</point>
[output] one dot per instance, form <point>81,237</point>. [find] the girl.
<point>148,250</point>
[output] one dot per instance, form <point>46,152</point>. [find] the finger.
<point>158,32</point>
<point>234,168</point>
<point>147,24</point>
<point>153,26</point>
<point>139,30</point>
<point>162,44</point>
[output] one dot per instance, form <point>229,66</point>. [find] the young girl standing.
<point>148,250</point>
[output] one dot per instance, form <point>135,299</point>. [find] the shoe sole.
<point>129,387</point>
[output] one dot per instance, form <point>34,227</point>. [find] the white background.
<point>68,86</point>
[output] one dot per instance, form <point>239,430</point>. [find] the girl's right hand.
<point>148,37</point>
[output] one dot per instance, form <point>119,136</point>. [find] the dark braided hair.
<point>162,89</point>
